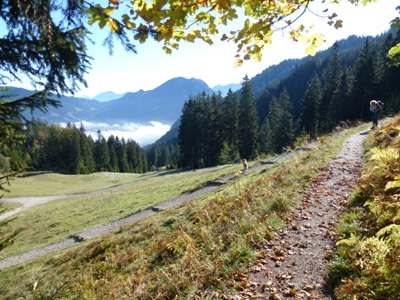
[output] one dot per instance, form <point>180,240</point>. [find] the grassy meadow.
<point>57,220</point>
<point>49,184</point>
<point>191,251</point>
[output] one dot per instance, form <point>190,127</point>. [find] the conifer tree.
<point>329,114</point>
<point>113,154</point>
<point>101,153</point>
<point>364,87</point>
<point>269,134</point>
<point>157,159</point>
<point>51,146</point>
<point>344,96</point>
<point>277,130</point>
<point>311,102</point>
<point>287,121</point>
<point>187,141</point>
<point>120,149</point>
<point>247,122</point>
<point>193,132</point>
<point>86,145</point>
<point>165,156</point>
<point>389,87</point>
<point>134,157</point>
<point>215,133</point>
<point>230,115</point>
<point>264,136</point>
<point>75,162</point>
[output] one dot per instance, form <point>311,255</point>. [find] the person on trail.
<point>375,107</point>
<point>245,165</point>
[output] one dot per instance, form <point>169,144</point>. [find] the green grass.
<point>195,248</point>
<point>56,220</point>
<point>9,206</point>
<point>50,184</point>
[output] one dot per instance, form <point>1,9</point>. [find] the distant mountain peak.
<point>225,88</point>
<point>108,96</point>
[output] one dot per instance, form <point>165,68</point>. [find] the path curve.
<point>28,202</point>
<point>99,230</point>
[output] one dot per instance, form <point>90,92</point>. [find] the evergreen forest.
<point>70,150</point>
<point>320,93</point>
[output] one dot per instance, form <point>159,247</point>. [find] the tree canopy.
<point>173,21</point>
<point>47,40</point>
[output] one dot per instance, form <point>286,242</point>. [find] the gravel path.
<point>103,229</point>
<point>294,264</point>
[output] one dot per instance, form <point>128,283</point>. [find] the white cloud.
<point>142,134</point>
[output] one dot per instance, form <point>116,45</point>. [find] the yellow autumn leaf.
<point>167,50</point>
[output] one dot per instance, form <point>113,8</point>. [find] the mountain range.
<point>162,104</point>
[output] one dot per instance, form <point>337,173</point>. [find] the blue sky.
<point>151,67</point>
<point>127,72</point>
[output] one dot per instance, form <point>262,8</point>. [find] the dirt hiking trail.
<point>294,264</point>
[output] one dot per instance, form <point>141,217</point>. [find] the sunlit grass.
<point>9,206</point>
<point>50,184</point>
<point>56,220</point>
<point>194,249</point>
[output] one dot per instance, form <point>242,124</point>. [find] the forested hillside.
<point>71,150</point>
<point>320,93</point>
<point>265,116</point>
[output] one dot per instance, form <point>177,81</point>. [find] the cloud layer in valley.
<point>140,133</point>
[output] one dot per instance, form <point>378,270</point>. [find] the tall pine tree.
<point>364,87</point>
<point>247,122</point>
<point>311,102</point>
<point>329,110</point>
<point>230,116</point>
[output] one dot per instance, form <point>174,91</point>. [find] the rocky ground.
<point>294,264</point>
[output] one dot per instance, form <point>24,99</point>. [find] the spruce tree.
<point>277,130</point>
<point>86,152</point>
<point>120,149</point>
<point>329,110</point>
<point>101,153</point>
<point>389,87</point>
<point>271,128</point>
<point>364,87</point>
<point>193,132</point>
<point>111,142</point>
<point>215,134</point>
<point>287,129</point>
<point>230,116</point>
<point>311,103</point>
<point>247,122</point>
<point>75,162</point>
<point>344,96</point>
<point>187,135</point>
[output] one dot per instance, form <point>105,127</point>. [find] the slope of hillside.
<point>163,104</point>
<point>108,96</point>
<point>203,245</point>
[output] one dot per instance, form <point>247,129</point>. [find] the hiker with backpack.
<point>375,106</point>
